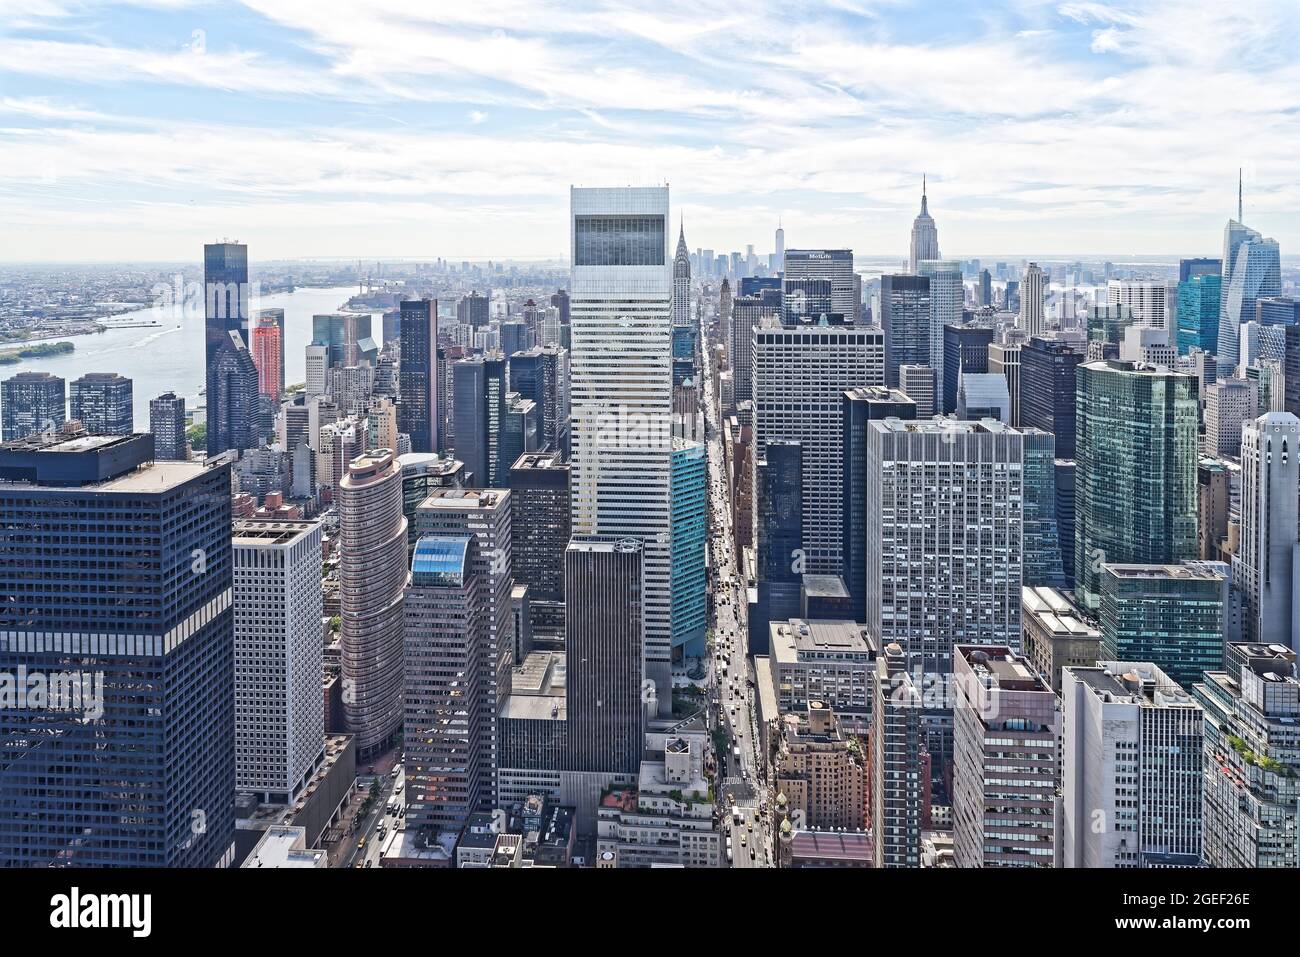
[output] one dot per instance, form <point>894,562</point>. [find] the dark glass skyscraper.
<point>539,496</point>
<point>1047,390</point>
<point>167,423</point>
<point>417,410</point>
<point>965,352</point>
<point>860,407</point>
<point>101,402</point>
<point>32,402</point>
<point>1199,298</point>
<point>778,509</point>
<point>140,769</point>
<point>226,299</point>
<point>538,374</point>
<point>905,318</point>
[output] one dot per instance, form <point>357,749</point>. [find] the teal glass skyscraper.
<point>1136,447</point>
<point>1198,313</point>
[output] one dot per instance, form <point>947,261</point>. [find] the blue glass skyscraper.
<point>1199,298</point>
<point>688,587</point>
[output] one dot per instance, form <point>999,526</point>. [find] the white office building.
<point>620,308</point>
<point>1033,287</point>
<point>1264,565</point>
<point>1130,768</point>
<point>947,299</point>
<point>945,511</point>
<point>279,651</point>
<point>1151,300</point>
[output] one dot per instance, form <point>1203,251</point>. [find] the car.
<point>744,841</point>
<point>751,853</point>
<point>749,826</point>
<point>397,790</point>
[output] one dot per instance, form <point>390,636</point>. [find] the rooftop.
<point>790,639</point>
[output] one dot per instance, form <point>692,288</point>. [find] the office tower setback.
<point>1005,728</point>
<point>372,580</point>
<point>1130,768</point>
<point>417,411</point>
<point>279,657</point>
<point>800,375</point>
<point>446,640</point>
<point>1170,615</point>
<point>167,423</point>
<point>1264,565</point>
<point>1136,484</point>
<point>621,389</point>
<point>905,319</point>
<point>1032,292</point>
<point>32,402</point>
<point>945,505</point>
<point>133,765</point>
<point>101,402</point>
<point>605,631</point>
<point>925,235</point>
<point>542,375</point>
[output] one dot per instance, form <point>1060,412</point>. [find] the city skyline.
<point>382,132</point>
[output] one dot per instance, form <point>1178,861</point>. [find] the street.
<point>732,701</point>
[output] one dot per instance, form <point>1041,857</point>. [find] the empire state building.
<point>925,236</point>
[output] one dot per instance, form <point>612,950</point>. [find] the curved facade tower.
<point>925,235</point>
<point>372,576</point>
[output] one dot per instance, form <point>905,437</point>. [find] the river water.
<point>169,358</point>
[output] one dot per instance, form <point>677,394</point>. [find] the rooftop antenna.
<point>1240,218</point>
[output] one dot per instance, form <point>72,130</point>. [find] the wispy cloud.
<point>1043,125</point>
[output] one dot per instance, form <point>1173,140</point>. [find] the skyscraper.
<point>1005,728</point>
<point>965,351</point>
<point>484,515</point>
<point>905,319</point>
<point>346,336</point>
<point>167,423</point>
<point>1150,300</point>
<point>279,657</point>
<point>1251,269</point>
<point>897,748</point>
<point>372,580</point>
<point>267,349</point>
<point>800,374</point>
<point>690,484</point>
<point>101,402</point>
<point>1048,384</point>
<point>621,388</point>
<point>275,317</point>
<point>862,407</point>
<point>539,493</point>
<point>834,265</point>
<point>778,521</point>
<point>32,402</point>
<point>1130,768</point>
<point>446,639</point>
<point>1263,567</point>
<point>682,282</point>
<point>138,766</point>
<point>947,300</point>
<point>542,374</point>
<point>234,412</point>
<point>1136,485</point>
<point>945,507</point>
<point>603,587</point>
<point>925,235</point>
<point>1199,298</point>
<point>1032,289</point>
<point>417,411</point>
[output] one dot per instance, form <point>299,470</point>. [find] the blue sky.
<point>408,128</point>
